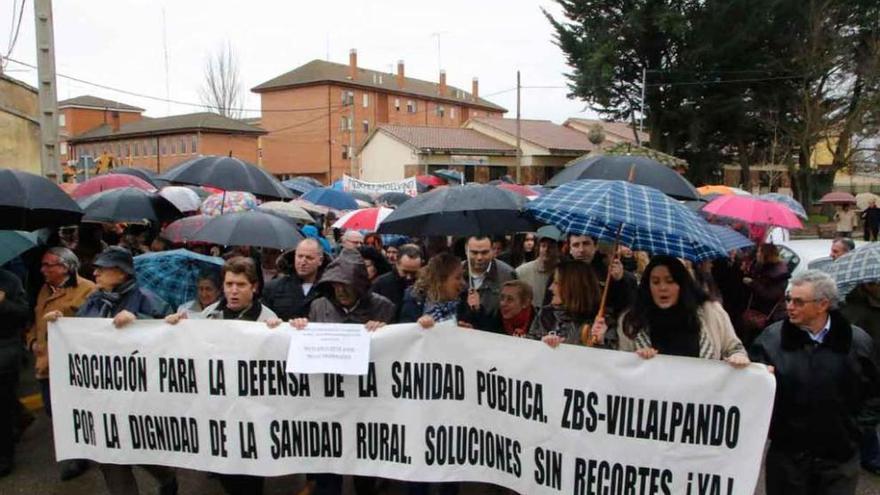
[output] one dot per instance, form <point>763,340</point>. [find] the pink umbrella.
<point>753,211</point>
<point>838,198</point>
<point>110,181</point>
<point>365,219</point>
<point>182,230</point>
<point>518,189</point>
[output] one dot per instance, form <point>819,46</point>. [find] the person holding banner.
<point>436,294</point>
<point>673,316</point>
<point>64,291</point>
<point>827,391</point>
<point>572,309</point>
<point>119,297</point>
<point>239,302</point>
<point>348,300</point>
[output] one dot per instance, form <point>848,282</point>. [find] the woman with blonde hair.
<point>437,294</point>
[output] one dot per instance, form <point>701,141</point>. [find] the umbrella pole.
<point>223,201</point>
<point>586,334</point>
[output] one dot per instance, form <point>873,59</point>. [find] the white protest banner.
<point>343,349</point>
<point>446,404</point>
<point>405,186</point>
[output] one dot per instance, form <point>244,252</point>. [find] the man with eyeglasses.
<point>827,391</point>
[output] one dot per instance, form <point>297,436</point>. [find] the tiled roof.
<point>620,129</point>
<point>320,71</point>
<point>544,133</point>
<point>204,121</point>
<point>446,139</point>
<point>95,102</point>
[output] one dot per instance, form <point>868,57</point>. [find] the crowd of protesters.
<point>544,286</point>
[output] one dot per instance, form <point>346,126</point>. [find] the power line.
<point>13,38</point>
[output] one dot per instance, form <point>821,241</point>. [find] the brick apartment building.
<point>84,113</point>
<point>318,115</point>
<point>160,143</point>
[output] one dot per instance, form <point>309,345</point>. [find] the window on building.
<point>62,148</point>
<point>345,123</point>
<point>411,106</point>
<point>451,112</point>
<point>118,149</point>
<point>348,97</point>
<point>136,148</point>
<point>366,101</point>
<point>126,150</point>
<point>182,146</point>
<point>62,121</point>
<point>397,104</point>
<point>440,111</point>
<point>164,147</point>
<point>345,152</point>
<point>366,126</point>
<point>192,147</point>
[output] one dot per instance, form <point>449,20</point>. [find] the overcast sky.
<point>119,43</point>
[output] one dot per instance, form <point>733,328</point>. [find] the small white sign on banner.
<point>342,349</point>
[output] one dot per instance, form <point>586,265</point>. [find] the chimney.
<point>352,64</point>
<point>442,82</point>
<point>475,89</point>
<point>114,120</point>
<point>401,78</point>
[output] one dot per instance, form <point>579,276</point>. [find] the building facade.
<point>394,152</point>
<point>19,126</point>
<point>84,113</point>
<point>161,143</point>
<point>318,115</point>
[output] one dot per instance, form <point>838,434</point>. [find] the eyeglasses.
<point>796,301</point>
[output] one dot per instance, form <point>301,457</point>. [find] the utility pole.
<point>518,133</point>
<point>351,140</point>
<point>644,85</point>
<point>49,165</point>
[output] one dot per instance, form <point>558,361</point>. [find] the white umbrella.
<point>184,198</point>
<point>288,210</point>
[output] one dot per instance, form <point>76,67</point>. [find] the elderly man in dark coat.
<point>827,392</point>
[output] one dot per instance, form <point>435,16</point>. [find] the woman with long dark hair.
<point>672,315</point>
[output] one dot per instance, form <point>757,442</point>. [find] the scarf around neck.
<point>519,324</point>
<point>110,300</point>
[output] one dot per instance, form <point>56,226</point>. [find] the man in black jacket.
<point>827,392</point>
<point>14,313</point>
<point>393,284</point>
<point>291,294</point>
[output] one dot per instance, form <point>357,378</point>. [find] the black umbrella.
<point>128,205</point>
<point>249,228</point>
<point>30,202</point>
<point>471,209</point>
<point>229,174</point>
<point>363,197</point>
<point>647,172</point>
<point>394,199</point>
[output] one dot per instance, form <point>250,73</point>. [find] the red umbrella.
<point>838,198</point>
<point>753,211</point>
<point>182,230</point>
<point>365,219</point>
<point>430,180</point>
<point>110,181</point>
<point>518,189</point>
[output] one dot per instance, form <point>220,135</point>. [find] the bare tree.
<point>221,90</point>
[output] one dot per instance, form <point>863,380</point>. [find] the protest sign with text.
<point>446,404</point>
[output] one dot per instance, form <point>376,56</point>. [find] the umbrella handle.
<point>586,337</point>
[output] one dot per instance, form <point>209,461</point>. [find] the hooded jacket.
<point>349,269</point>
<point>825,393</point>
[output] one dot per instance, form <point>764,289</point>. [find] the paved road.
<point>36,473</point>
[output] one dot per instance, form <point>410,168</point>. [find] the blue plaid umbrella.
<point>857,267</point>
<point>730,239</point>
<point>172,275</point>
<point>650,220</point>
<point>791,203</point>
